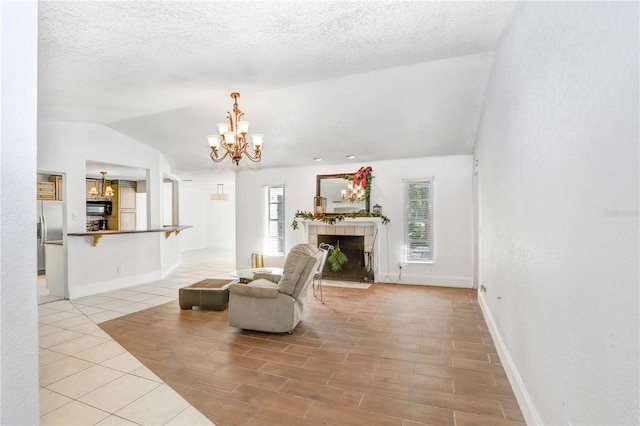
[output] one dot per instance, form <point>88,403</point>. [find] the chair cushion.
<point>294,265</point>
<point>256,288</point>
<point>291,276</point>
<point>307,274</point>
<point>274,278</point>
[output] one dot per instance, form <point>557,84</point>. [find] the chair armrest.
<point>274,278</point>
<point>256,288</point>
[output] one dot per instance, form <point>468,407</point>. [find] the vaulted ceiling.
<point>380,79</point>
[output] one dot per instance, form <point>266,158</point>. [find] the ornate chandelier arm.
<point>214,155</point>
<point>238,113</point>
<point>243,148</point>
<point>231,127</point>
<point>256,158</point>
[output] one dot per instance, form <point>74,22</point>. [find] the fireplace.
<point>353,247</point>
<point>366,228</point>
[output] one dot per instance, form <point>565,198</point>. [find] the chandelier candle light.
<point>356,188</point>
<point>233,137</point>
<point>354,192</point>
<point>105,190</point>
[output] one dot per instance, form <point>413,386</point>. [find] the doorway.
<point>476,225</point>
<point>51,229</point>
<point>170,202</point>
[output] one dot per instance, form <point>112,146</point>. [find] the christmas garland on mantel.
<point>332,218</point>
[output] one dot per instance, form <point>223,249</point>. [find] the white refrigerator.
<point>49,228</point>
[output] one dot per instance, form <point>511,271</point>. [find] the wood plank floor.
<point>387,355</point>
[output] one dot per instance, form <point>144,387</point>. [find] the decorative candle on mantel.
<point>320,205</point>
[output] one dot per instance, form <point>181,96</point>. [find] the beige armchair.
<point>275,303</point>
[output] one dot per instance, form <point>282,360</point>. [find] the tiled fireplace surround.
<point>365,227</point>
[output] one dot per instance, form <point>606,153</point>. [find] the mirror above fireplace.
<point>340,194</point>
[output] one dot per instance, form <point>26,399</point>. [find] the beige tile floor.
<point>86,378</point>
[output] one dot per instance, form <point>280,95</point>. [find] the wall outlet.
<point>483,288</point>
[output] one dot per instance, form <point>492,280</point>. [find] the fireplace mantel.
<point>347,221</point>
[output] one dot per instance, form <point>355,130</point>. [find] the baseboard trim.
<point>430,280</point>
<point>170,269</point>
<point>117,284</point>
<point>527,406</point>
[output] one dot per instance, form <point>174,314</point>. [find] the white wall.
<point>193,205</point>
<point>117,261</point>
<point>66,147</point>
<point>221,215</point>
<point>18,294</point>
<point>558,190</point>
<point>141,210</point>
<point>453,213</point>
<point>453,219</point>
<point>167,203</point>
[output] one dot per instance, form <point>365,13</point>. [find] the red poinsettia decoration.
<point>360,177</point>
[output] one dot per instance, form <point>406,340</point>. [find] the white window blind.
<point>418,220</point>
<point>275,227</point>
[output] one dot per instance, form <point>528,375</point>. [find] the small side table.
<point>211,294</point>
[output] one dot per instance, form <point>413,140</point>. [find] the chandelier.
<point>105,190</point>
<point>233,138</point>
<point>353,193</point>
<point>358,186</point>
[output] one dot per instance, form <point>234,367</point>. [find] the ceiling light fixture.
<point>233,137</point>
<point>317,159</point>
<point>350,157</point>
<point>219,195</point>
<point>106,191</point>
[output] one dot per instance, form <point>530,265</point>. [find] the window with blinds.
<point>418,220</point>
<point>275,237</point>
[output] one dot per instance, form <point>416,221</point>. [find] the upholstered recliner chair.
<point>275,303</point>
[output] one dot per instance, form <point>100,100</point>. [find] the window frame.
<point>272,241</point>
<point>430,218</point>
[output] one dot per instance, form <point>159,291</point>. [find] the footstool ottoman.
<point>211,294</point>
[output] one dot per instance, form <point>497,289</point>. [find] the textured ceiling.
<point>320,79</point>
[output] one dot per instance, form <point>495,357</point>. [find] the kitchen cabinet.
<point>123,217</point>
<point>57,183</point>
<point>127,220</point>
<point>49,187</point>
<point>127,195</point>
<point>46,191</point>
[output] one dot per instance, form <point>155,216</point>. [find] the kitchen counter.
<point>121,259</point>
<point>168,230</point>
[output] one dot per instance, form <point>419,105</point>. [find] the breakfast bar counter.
<point>97,235</point>
<point>121,259</point>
